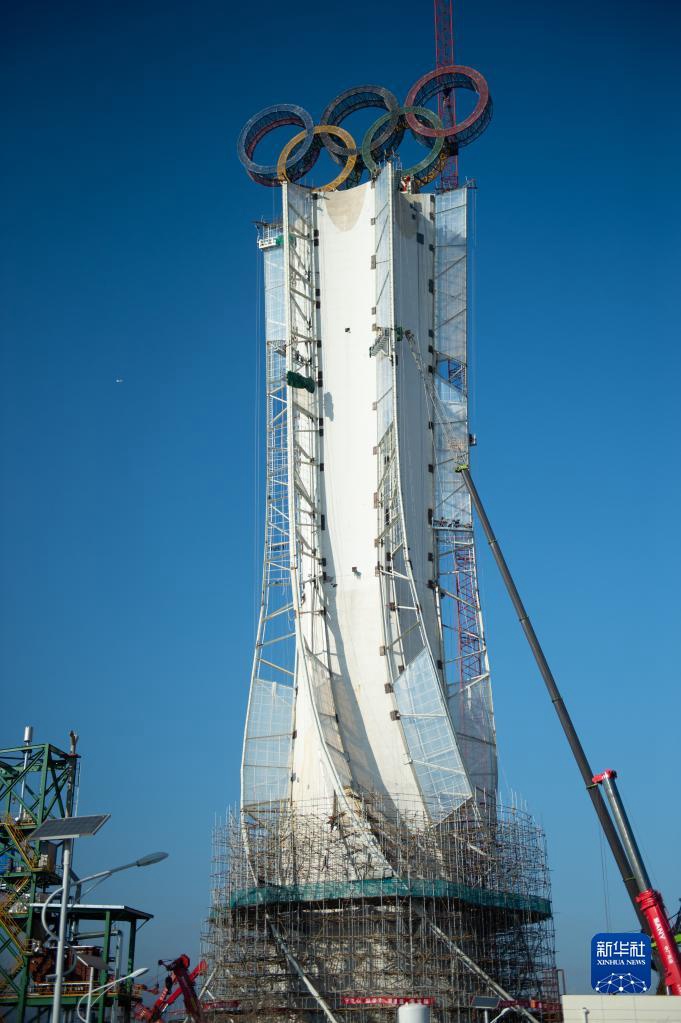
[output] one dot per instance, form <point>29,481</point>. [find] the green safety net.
<point>298,380</point>
<point>390,887</point>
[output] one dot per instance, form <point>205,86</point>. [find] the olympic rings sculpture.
<point>381,140</point>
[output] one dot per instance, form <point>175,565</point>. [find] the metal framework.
<point>414,667</point>
<point>439,133</point>
<point>37,781</point>
<point>269,720</point>
<point>446,101</point>
<point>466,666</point>
<point>476,882</point>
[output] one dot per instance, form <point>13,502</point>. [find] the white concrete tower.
<point>371,863</point>
<point>370,674</point>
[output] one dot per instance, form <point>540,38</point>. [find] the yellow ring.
<point>322,129</point>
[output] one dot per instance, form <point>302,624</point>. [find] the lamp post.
<point>99,991</point>
<point>61,940</point>
<point>101,875</point>
<point>67,829</point>
<point>93,963</point>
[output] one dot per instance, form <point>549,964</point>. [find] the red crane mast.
<point>446,101</point>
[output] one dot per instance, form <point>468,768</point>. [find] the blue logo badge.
<point>620,964</point>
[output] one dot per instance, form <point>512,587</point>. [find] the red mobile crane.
<point>647,902</point>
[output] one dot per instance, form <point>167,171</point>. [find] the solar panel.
<point>484,1002</point>
<point>69,827</point>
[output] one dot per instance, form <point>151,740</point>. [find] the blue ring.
<point>260,125</point>
<point>363,97</point>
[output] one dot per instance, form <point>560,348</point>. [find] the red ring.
<point>480,86</point>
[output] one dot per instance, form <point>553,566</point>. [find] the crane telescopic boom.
<point>646,901</point>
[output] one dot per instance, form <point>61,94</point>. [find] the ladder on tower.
<point>16,938</point>
<point>26,851</point>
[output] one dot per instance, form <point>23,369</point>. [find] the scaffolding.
<point>302,907</point>
<point>344,907</point>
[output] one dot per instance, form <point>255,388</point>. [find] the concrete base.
<point>621,1009</point>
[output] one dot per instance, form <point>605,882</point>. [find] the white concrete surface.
<point>594,1008</point>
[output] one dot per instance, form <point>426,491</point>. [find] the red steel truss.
<point>444,57</point>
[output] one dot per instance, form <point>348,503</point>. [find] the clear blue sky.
<point>130,532</point>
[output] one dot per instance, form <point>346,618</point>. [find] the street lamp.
<point>93,963</point>
<point>151,857</point>
<point>68,828</point>
<point>487,1003</point>
<point>104,988</point>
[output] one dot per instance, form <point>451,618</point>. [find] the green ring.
<point>430,164</point>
